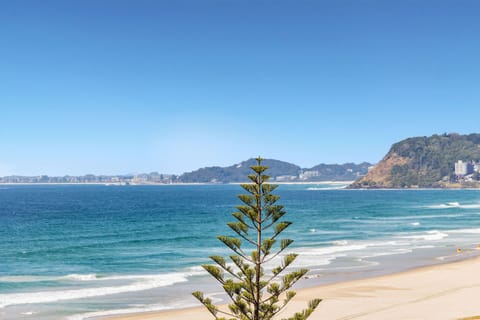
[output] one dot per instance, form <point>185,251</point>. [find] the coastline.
<point>347,183</point>
<point>169,184</point>
<point>443,291</point>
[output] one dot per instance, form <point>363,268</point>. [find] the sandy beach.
<point>447,291</point>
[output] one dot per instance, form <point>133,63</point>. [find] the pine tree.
<point>255,294</point>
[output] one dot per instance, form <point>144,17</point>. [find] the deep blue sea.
<point>88,251</point>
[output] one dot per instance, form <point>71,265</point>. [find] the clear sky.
<point>113,87</point>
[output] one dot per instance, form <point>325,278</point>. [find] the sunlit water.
<point>75,252</point>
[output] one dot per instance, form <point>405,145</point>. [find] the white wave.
<point>415,224</point>
<point>325,188</point>
<point>197,270</point>
<point>388,253</point>
<point>340,242</point>
<point>81,277</point>
<point>468,231</point>
<point>146,282</point>
<point>106,313</point>
<point>425,216</point>
<point>332,249</point>
<point>345,246</point>
<point>26,278</point>
<point>444,205</point>
<point>454,204</point>
<point>470,206</point>
<point>312,260</point>
<point>428,236</point>
<point>91,277</point>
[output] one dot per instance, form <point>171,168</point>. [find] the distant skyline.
<point>115,87</point>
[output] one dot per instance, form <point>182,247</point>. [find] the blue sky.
<point>138,86</point>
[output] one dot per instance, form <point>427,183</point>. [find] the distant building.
<point>476,167</point>
<point>285,178</point>
<point>461,168</point>
<point>305,175</point>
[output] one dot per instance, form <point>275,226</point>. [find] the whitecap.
<point>332,249</point>
<point>426,216</point>
<point>467,231</point>
<point>325,188</point>
<point>388,253</point>
<point>428,236</point>
<point>340,242</point>
<point>454,204</point>
<point>145,282</point>
<point>26,278</point>
<point>81,277</point>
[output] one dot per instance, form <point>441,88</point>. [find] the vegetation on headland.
<point>425,162</point>
<point>256,294</point>
<point>280,171</point>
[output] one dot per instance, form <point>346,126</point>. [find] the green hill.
<point>279,170</point>
<point>238,172</point>
<point>424,162</point>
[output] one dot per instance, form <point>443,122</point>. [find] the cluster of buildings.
<point>465,169</point>
<point>143,178</point>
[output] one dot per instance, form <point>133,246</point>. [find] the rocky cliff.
<point>424,162</point>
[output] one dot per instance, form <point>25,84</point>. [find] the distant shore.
<point>446,291</point>
<point>167,184</point>
<point>346,183</point>
<point>302,182</point>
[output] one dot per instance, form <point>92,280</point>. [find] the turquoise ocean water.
<point>88,251</point>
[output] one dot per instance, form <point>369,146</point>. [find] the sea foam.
<point>467,231</point>
<point>428,236</point>
<point>141,283</point>
<point>454,204</point>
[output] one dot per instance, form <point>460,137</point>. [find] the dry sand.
<point>448,291</point>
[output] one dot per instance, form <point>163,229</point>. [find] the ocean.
<point>79,252</point>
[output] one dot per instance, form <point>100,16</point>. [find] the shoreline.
<point>170,184</point>
<point>442,291</point>
<point>347,183</point>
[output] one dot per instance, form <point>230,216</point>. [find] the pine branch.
<point>312,305</point>
<point>241,230</point>
<point>234,244</point>
<point>223,264</point>
<point>280,227</point>
<point>284,243</point>
<point>287,260</point>
<point>253,297</point>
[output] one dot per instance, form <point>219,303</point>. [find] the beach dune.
<point>447,291</point>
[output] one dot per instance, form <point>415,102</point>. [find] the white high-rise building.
<point>460,168</point>
<point>476,167</point>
